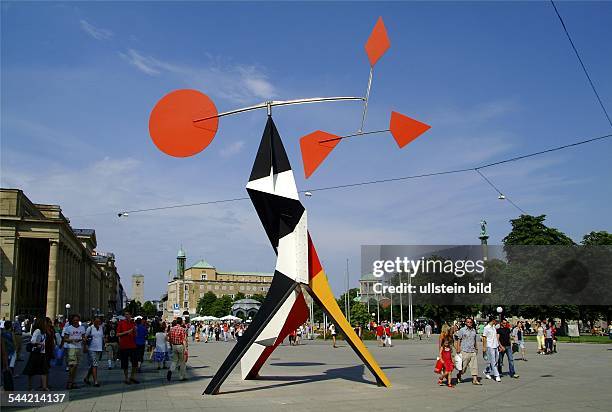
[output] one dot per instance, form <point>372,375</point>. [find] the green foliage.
<point>134,307</point>
<point>148,309</point>
<point>531,230</point>
<point>239,296</point>
<point>359,314</point>
<point>258,297</point>
<point>597,239</point>
<point>222,306</point>
<point>206,304</point>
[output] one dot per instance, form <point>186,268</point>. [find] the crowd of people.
<point>458,348</point>
<point>127,342</point>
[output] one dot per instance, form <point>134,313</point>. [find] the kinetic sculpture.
<point>184,122</point>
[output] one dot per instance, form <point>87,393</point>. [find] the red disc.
<point>174,125</point>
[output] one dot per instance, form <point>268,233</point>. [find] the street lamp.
<point>67,309</point>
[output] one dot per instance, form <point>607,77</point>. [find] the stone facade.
<point>46,264</point>
<point>203,277</point>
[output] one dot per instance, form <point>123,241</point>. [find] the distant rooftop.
<point>228,272</point>
<point>202,264</point>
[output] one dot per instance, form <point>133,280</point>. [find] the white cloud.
<point>145,64</point>
<point>237,83</point>
<point>96,32</point>
<point>232,149</point>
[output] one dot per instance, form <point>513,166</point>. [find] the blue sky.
<point>492,79</point>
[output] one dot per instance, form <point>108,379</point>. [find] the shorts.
<point>128,354</point>
<point>73,357</point>
<point>93,357</point>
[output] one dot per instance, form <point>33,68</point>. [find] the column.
<point>52,279</point>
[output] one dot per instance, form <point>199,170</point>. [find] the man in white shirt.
<point>73,338</point>
<point>490,349</point>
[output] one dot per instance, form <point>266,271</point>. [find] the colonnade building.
<point>46,264</point>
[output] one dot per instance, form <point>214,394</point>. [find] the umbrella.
<point>230,317</point>
<point>209,318</point>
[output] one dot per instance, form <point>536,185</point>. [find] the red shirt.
<point>176,335</point>
<point>379,330</point>
<point>126,341</point>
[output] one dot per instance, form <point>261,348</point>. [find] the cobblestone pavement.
<point>314,376</point>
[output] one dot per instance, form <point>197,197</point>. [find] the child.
<point>160,353</point>
<point>446,356</point>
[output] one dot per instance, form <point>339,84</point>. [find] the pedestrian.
<point>548,340</point>
<point>49,344</point>
<point>18,334</point>
<point>388,335</point>
<point>179,345</point>
<point>192,331</point>
<point>73,338</point>
<point>10,345</point>
<point>505,349</point>
<point>446,356</point>
<point>540,336</point>
<point>126,332</point>
<point>111,343</point>
<point>225,331</point>
<point>217,332</point>
<point>141,341</point>
<point>380,331</point>
<point>332,332</point>
<point>428,330</point>
<point>94,338</point>
<point>160,354</point>
<point>37,362</point>
<point>490,349</point>
<point>467,348</point>
<point>518,336</point>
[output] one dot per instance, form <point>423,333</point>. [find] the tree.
<point>359,314</point>
<point>258,297</point>
<point>239,296</point>
<point>148,309</point>
<point>222,306</point>
<point>134,307</point>
<point>206,304</point>
<point>601,238</point>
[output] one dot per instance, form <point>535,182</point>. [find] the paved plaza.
<point>316,377</point>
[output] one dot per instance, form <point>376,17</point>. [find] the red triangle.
<point>314,265</point>
<point>315,147</point>
<point>404,129</point>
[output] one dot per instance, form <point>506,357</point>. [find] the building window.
<point>203,276</point>
<point>223,287</point>
<point>186,305</point>
<point>186,287</point>
<point>201,295</point>
<point>263,289</point>
<point>201,287</point>
<point>232,296</point>
<point>216,287</point>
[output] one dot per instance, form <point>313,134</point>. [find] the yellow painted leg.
<point>320,291</point>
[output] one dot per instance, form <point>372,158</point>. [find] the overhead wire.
<point>586,72</point>
<point>395,179</point>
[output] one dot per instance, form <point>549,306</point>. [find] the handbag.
<point>7,378</point>
<point>439,365</point>
<point>515,347</point>
<point>458,362</point>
